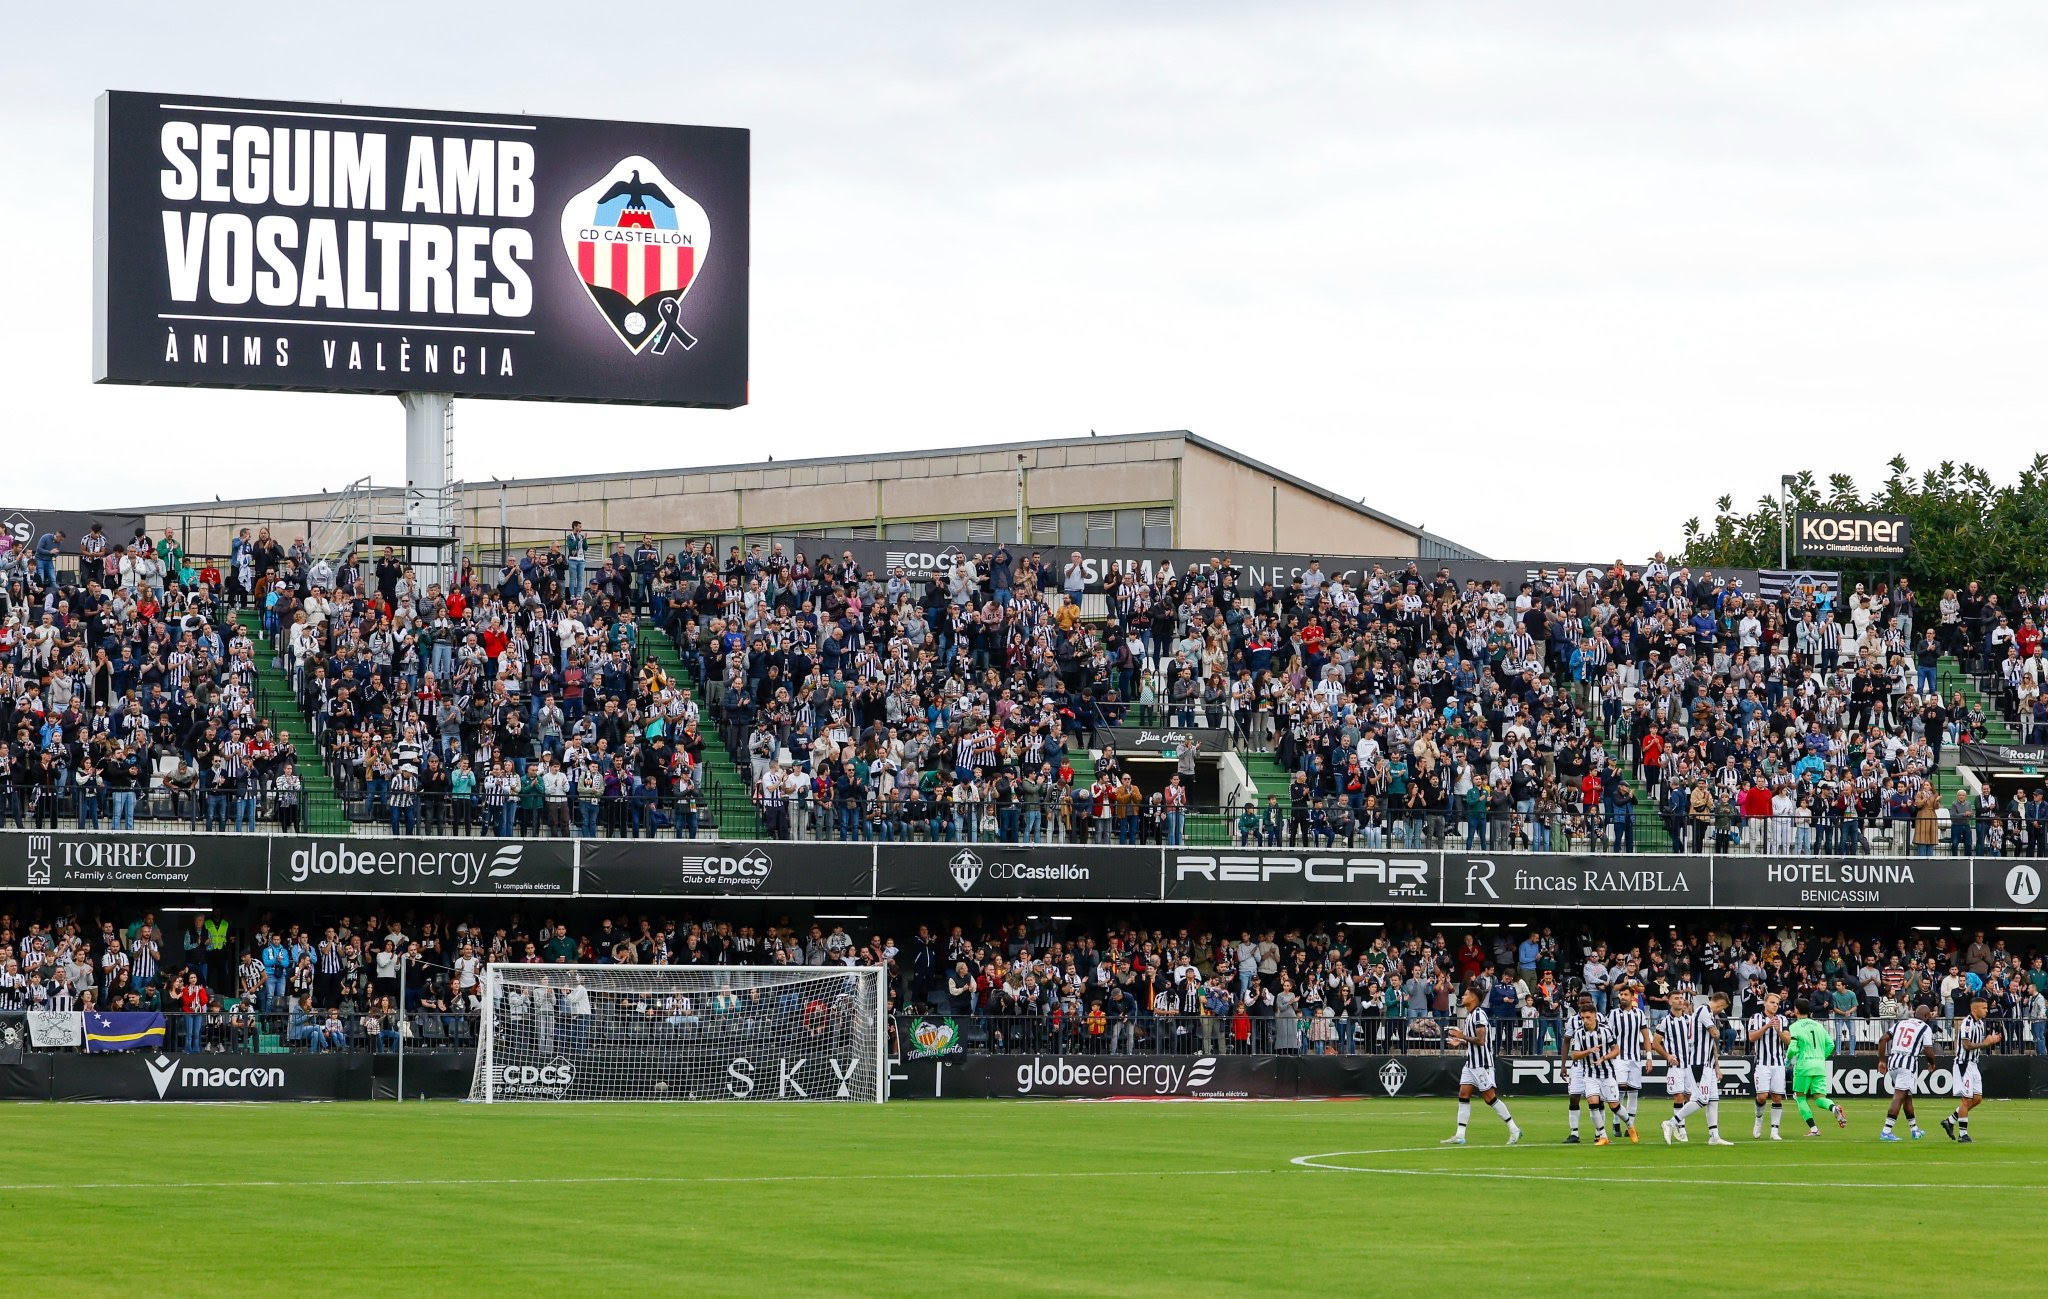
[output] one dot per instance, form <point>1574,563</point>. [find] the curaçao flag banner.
<point>123,1030</point>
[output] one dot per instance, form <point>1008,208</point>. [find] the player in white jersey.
<point>1909,1040</point>
<point>1972,1038</point>
<point>1591,1048</point>
<point>1632,1035</point>
<point>1474,1034</point>
<point>1689,1041</point>
<point>1768,1035</point>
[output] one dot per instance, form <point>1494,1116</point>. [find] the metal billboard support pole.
<point>429,459</point>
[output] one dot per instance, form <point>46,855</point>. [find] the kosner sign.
<point>1868,536</point>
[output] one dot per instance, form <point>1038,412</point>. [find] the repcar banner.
<point>269,244</point>
<point>1067,872</point>
<point>656,868</point>
<point>449,867</point>
<point>138,861</point>
<point>1636,880</point>
<point>1331,876</point>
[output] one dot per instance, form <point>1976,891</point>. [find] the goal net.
<point>681,1033</point>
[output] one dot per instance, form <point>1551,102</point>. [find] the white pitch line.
<point>636,1181</point>
<point>1308,1161</point>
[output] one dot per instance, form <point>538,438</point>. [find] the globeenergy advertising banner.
<point>270,244</point>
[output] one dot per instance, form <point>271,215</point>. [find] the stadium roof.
<point>883,457</point>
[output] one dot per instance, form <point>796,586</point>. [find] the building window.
<point>1130,529</point>
<point>925,530</point>
<point>1045,529</point>
<point>953,530</point>
<point>1073,530</point>
<point>981,530</point>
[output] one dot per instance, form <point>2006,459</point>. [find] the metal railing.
<point>367,806</point>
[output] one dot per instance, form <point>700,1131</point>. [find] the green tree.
<point>1964,526</point>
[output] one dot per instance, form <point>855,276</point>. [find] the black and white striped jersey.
<point>1478,1040</point>
<point>1627,1028</point>
<point>1767,1051</point>
<point>1599,1040</point>
<point>1969,1042</point>
<point>1909,1039</point>
<point>1689,1038</point>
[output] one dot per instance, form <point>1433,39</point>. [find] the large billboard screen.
<point>263,244</point>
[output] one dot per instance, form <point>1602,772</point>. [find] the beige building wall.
<point>1220,503</point>
<point>1226,505</point>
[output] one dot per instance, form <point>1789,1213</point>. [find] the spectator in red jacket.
<point>1755,806</point>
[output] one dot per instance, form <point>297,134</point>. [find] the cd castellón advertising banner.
<point>268,244</point>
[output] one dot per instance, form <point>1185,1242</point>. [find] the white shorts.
<point>1902,1080</point>
<point>1477,1079</point>
<point>1769,1080</point>
<point>1678,1082</point>
<point>1606,1089</point>
<point>1629,1073</point>
<point>1970,1083</point>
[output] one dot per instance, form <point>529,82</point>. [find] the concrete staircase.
<point>725,794</point>
<point>321,803</point>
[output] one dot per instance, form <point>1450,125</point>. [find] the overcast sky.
<point>1545,278</point>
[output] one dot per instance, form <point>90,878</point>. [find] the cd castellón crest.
<point>638,243</point>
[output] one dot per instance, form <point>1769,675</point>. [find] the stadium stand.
<point>662,689</point>
<point>323,981</point>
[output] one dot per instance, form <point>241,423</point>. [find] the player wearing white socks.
<point>1689,1041</point>
<point>1768,1035</point>
<point>1473,1033</point>
<point>1632,1038</point>
<point>1972,1037</point>
<point>1591,1049</point>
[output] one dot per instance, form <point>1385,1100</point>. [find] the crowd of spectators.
<point>1406,709</point>
<point>1212,984</point>
<point>125,686</point>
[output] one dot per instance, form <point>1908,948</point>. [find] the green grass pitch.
<point>963,1198</point>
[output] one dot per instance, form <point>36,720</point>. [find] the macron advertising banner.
<point>245,243</point>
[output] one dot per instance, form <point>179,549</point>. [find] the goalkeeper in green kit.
<point>1807,1048</point>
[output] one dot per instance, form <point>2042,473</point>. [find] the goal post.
<point>682,1032</point>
